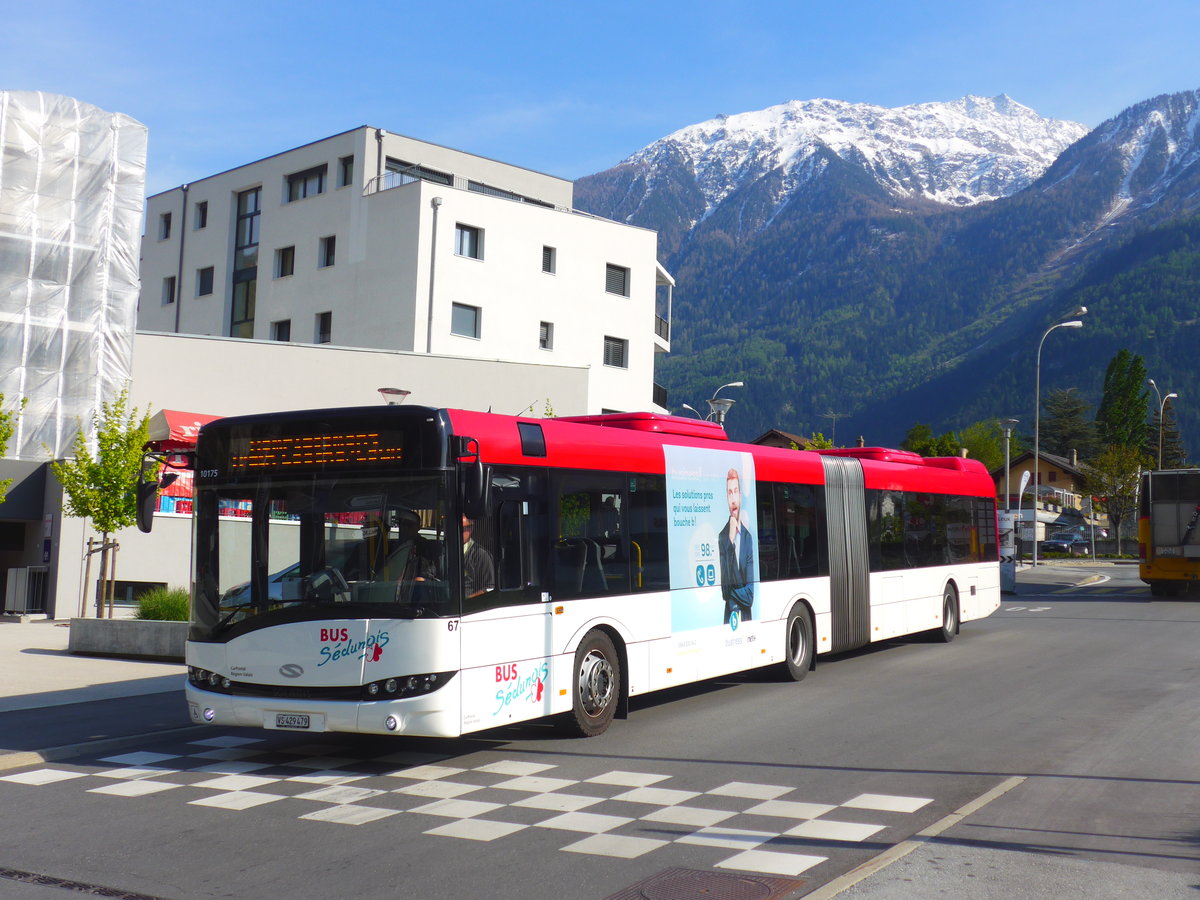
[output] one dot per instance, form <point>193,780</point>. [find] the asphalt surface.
<point>1049,815</point>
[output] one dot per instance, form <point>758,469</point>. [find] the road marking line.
<point>1090,581</point>
<point>899,851</point>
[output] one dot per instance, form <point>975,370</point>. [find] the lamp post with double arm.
<point>1037,414</point>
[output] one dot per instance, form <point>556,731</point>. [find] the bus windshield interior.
<point>290,548</point>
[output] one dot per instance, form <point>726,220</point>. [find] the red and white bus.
<point>434,572</point>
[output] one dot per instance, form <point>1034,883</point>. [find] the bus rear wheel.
<point>949,628</point>
<point>798,651</point>
<point>597,684</point>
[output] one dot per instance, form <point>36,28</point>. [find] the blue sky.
<point>565,88</point>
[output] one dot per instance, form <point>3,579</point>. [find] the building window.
<point>616,280</point>
<point>164,226</point>
<point>616,352</point>
<point>345,171</point>
<point>465,320</point>
<point>241,322</point>
<point>327,252</point>
<point>168,293</point>
<point>546,335</point>
<point>285,261</point>
<point>245,263</point>
<point>201,219</point>
<point>308,183</point>
<point>282,330</point>
<point>204,281</point>
<point>549,260</point>
<point>468,241</point>
<point>324,327</point>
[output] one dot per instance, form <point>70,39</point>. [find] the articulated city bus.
<point>418,571</point>
<point>1169,530</point>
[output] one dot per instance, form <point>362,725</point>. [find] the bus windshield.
<point>291,547</point>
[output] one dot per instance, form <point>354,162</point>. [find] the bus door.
<point>849,586</point>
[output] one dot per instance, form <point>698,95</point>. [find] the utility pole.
<point>833,417</point>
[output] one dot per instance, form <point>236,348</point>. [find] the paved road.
<point>1049,751</point>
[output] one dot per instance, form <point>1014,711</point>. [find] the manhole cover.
<point>699,884</point>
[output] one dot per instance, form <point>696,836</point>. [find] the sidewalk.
<point>53,703</point>
<point>37,671</point>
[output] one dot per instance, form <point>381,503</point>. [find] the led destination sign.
<point>315,451</point>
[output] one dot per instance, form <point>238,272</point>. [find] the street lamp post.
<point>1037,416</point>
<point>1007,425</point>
<point>1161,409</point>
<point>719,406</point>
<point>1162,405</point>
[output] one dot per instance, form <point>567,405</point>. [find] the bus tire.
<point>949,628</point>
<point>798,646</point>
<point>596,686</point>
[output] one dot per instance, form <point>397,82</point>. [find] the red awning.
<point>171,429</point>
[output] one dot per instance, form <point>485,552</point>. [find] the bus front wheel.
<point>597,684</point>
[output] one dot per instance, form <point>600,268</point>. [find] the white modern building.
<point>373,240</point>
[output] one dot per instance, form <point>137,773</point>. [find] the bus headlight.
<point>405,686</point>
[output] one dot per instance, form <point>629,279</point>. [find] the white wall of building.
<point>396,265</point>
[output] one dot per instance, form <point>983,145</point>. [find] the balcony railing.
<point>659,396</point>
<point>662,328</point>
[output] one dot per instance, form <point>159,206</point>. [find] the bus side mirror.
<point>477,484</point>
<point>147,498</point>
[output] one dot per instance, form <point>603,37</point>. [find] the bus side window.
<point>647,520</point>
<point>889,530</point>
<point>768,533</point>
<point>800,528</point>
<point>985,529</point>
<point>591,553</point>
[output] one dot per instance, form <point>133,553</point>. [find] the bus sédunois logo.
<point>291,670</point>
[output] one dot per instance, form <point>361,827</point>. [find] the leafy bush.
<point>164,604</point>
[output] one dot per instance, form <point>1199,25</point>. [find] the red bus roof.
<point>634,441</point>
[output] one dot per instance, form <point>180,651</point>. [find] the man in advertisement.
<point>736,546</point>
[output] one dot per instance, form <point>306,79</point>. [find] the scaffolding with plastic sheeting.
<point>72,188</point>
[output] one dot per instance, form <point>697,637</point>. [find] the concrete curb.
<point>129,638</point>
<point>20,758</point>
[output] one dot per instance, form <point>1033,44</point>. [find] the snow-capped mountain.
<point>899,264</point>
<point>962,152</point>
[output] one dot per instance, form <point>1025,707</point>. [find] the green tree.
<point>103,487</point>
<point>7,426</point>
<point>1121,419</point>
<point>1113,477</point>
<point>817,441</point>
<point>1065,425</point>
<point>984,441</point>
<point>920,439</point>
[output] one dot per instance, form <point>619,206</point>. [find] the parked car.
<point>1065,542</point>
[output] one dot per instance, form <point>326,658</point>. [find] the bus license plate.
<point>293,720</point>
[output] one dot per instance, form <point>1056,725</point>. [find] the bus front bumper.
<point>431,715</point>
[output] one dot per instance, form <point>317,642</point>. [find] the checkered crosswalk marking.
<point>750,826</point>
